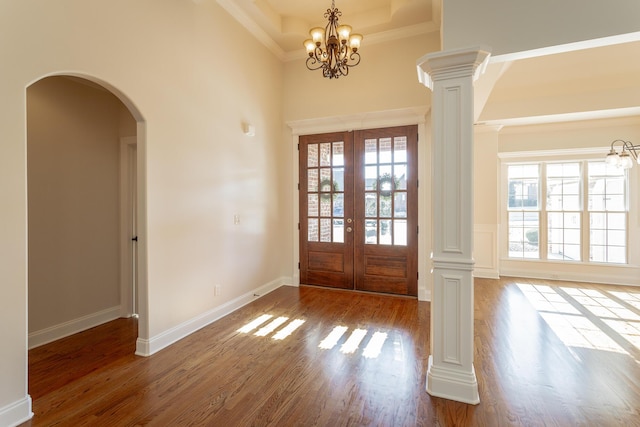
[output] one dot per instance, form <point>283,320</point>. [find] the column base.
<point>452,384</point>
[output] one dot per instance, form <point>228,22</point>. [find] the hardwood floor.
<point>547,354</point>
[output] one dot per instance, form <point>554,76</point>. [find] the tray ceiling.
<point>284,24</point>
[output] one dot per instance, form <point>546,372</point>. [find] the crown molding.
<point>565,117</point>
<point>373,119</point>
<point>560,152</point>
<point>245,20</point>
<point>371,39</point>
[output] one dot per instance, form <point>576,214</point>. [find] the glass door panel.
<point>326,194</point>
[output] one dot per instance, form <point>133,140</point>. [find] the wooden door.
<point>359,210</point>
<point>386,209</point>
<point>326,210</point>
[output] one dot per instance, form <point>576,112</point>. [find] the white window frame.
<point>525,266</point>
<point>583,212</point>
<point>606,213</point>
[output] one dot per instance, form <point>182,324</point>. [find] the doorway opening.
<point>359,210</point>
<point>82,202</point>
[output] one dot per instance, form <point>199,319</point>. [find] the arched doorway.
<point>80,132</point>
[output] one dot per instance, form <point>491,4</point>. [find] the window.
<point>563,211</point>
<point>524,210</point>
<point>607,213</point>
<point>583,216</point>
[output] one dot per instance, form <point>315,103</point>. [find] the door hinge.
<point>417,229</point>
<point>298,226</point>
<point>417,275</point>
<point>298,147</point>
<point>134,239</point>
<point>417,183</point>
<point>298,186</point>
<point>298,266</point>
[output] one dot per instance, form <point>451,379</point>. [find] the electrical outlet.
<point>236,219</point>
<point>216,290</point>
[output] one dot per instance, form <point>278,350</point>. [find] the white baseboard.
<point>154,344</point>
<point>424,294</point>
<point>630,279</point>
<point>485,274</point>
<point>16,413</point>
<point>53,333</point>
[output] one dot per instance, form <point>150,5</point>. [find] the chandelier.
<point>340,49</point>
<point>627,155</point>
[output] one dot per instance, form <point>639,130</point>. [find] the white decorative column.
<point>450,76</point>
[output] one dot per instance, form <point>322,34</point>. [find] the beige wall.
<point>386,79</point>
<point>580,134</point>
<point>191,75</point>
<point>73,173</point>
<point>485,182</point>
<point>485,202</point>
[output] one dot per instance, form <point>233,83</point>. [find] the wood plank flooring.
<point>547,354</point>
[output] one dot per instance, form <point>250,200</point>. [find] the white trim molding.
<point>56,332</point>
<point>165,339</point>
<point>369,120</point>
<point>614,274</point>
<point>16,413</point>
<point>598,152</point>
<point>128,147</point>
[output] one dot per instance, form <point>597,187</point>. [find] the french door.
<point>359,210</point>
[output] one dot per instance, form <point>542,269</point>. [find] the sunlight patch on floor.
<point>374,348</point>
<point>352,344</point>
<point>271,326</point>
<point>332,339</point>
<point>288,330</point>
<point>282,328</point>
<point>588,318</point>
<point>254,324</point>
<point>578,331</point>
<point>398,350</point>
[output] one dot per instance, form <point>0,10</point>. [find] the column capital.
<point>452,64</point>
